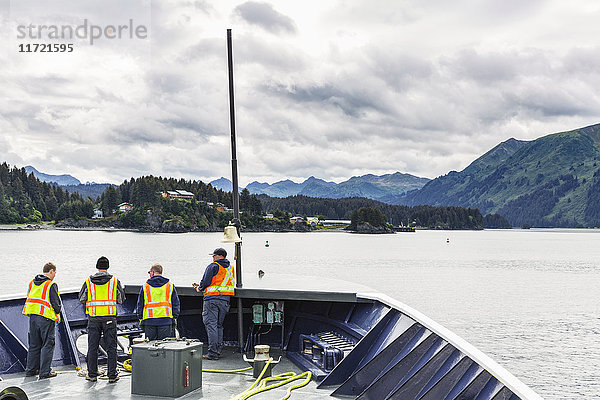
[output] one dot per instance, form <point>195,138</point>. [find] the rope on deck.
<point>261,385</point>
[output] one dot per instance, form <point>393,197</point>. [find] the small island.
<point>369,220</point>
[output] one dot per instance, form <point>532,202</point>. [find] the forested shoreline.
<point>26,200</point>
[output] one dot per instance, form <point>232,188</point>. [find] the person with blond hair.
<point>158,305</point>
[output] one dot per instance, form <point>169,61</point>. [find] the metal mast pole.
<point>235,194</point>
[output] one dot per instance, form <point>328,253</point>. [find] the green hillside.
<point>552,181</point>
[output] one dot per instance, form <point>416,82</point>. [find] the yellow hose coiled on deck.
<point>260,385</point>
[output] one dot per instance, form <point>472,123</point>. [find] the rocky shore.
<point>168,226</point>
<point>26,227</point>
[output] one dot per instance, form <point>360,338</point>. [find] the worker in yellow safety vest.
<point>43,308</point>
<point>217,286</point>
<point>101,293</point>
<point>158,305</point>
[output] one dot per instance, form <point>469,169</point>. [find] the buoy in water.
<point>267,243</point>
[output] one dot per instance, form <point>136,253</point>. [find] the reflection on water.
<point>529,299</point>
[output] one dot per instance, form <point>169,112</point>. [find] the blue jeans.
<point>158,332</point>
<point>213,314</point>
<point>41,345</point>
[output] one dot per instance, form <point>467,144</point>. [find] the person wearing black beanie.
<point>101,293</point>
<point>102,263</point>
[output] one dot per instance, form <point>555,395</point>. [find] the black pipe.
<point>235,194</point>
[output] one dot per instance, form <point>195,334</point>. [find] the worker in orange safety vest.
<point>218,287</point>
<point>43,308</point>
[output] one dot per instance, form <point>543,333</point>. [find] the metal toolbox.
<point>168,368</point>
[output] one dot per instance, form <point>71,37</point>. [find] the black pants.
<point>105,328</point>
<point>158,332</point>
<point>41,345</point>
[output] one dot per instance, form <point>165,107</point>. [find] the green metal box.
<point>167,368</point>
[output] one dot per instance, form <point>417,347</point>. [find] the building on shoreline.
<point>178,194</point>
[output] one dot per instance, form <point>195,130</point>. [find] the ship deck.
<point>68,384</point>
<point>389,349</point>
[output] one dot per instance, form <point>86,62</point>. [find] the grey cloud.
<point>249,49</point>
<point>203,49</point>
<point>105,95</point>
<point>583,60</point>
<point>7,154</point>
<point>352,104</point>
<point>166,82</point>
<point>265,16</point>
<point>377,13</point>
<point>203,5</point>
<point>252,49</point>
<point>188,124</point>
<point>398,70</point>
<point>494,66</point>
<point>142,134</point>
<point>489,90</point>
<point>68,12</point>
<point>551,101</point>
<point>51,85</point>
<point>25,116</point>
<point>506,11</point>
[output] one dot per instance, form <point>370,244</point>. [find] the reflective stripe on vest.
<point>38,301</point>
<point>223,283</point>
<point>102,299</point>
<point>157,301</point>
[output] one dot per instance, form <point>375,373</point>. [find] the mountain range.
<point>61,180</point>
<point>70,183</point>
<point>383,188</point>
<point>553,181</point>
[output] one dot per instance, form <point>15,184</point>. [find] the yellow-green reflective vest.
<point>157,301</point>
<point>38,301</point>
<point>102,299</point>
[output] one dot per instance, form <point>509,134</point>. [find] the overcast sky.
<point>331,89</point>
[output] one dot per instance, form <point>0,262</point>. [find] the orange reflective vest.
<point>101,299</point>
<point>223,283</point>
<point>157,301</point>
<point>38,301</point>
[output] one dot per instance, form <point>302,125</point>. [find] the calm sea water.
<point>529,299</point>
